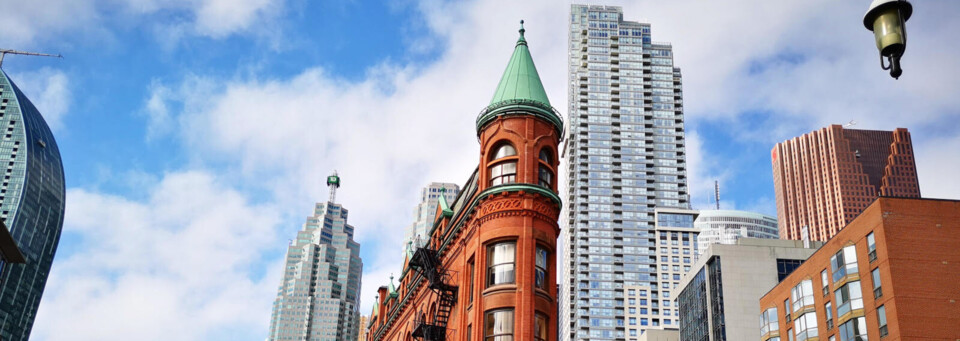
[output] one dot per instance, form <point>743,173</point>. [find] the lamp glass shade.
<point>889,31</point>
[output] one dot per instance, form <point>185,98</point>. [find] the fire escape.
<point>427,262</point>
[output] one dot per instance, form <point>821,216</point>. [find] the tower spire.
<point>333,182</point>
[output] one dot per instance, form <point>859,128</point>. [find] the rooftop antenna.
<point>716,191</point>
<point>4,52</point>
<point>333,182</point>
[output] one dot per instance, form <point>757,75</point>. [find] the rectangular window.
<point>854,330</point>
<point>805,326</point>
<point>469,331</point>
<point>540,327</point>
<point>471,268</point>
<point>824,282</point>
<point>849,297</point>
<point>871,247</point>
<point>768,321</point>
<point>802,295</point>
<point>829,309</point>
<point>540,280</point>
<point>877,290</point>
<point>498,325</point>
<point>882,320</point>
<point>786,309</point>
<point>500,263</point>
<point>844,262</point>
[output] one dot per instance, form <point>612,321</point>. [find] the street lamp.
<point>887,18</point>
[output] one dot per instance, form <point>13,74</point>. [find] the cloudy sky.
<point>196,134</point>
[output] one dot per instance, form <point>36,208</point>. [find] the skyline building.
<point>426,211</point>
<point>488,269</point>
<point>625,158</point>
<point>718,299</point>
<point>654,307</point>
<point>32,199</point>
<point>825,178</point>
<point>726,226</point>
<point>318,298</point>
<point>890,274</point>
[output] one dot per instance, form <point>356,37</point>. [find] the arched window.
<point>546,173</point>
<point>503,165</point>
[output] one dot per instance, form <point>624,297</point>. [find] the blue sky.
<point>196,134</point>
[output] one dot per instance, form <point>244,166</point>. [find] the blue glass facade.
<point>32,196</point>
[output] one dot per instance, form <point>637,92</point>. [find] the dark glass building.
<point>31,205</point>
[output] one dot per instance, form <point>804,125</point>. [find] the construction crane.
<point>5,52</point>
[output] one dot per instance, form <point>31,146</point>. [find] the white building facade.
<point>625,158</point>
<point>426,211</point>
<point>318,299</point>
<point>727,226</point>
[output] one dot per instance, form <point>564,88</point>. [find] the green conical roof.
<point>520,91</point>
<point>520,80</point>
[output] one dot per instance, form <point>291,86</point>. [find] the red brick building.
<point>825,178</point>
<point>488,270</point>
<point>891,274</point>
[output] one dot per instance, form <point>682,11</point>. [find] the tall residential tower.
<point>319,296</point>
<point>31,204</point>
<point>426,211</point>
<point>625,157</point>
<point>825,178</point>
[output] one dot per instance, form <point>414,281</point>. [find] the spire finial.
<point>521,41</point>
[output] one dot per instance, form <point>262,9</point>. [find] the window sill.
<point>500,288</point>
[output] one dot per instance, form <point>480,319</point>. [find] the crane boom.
<point>4,52</point>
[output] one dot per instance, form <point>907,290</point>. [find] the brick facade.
<point>916,258</point>
<point>444,291</point>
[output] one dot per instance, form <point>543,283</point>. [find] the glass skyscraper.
<point>625,158</point>
<point>31,205</point>
<point>318,299</point>
<point>426,212</point>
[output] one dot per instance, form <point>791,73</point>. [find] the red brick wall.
<point>917,254</point>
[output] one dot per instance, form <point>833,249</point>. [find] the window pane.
<point>499,325</point>
<point>500,262</point>
<point>540,327</point>
<point>504,151</point>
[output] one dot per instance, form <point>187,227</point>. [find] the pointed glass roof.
<point>520,91</point>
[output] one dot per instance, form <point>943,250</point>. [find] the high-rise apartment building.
<point>825,178</point>
<point>32,197</point>
<point>718,300</point>
<point>890,274</point>
<point>488,269</point>
<point>318,298</point>
<point>426,211</point>
<point>726,226</point>
<point>625,157</point>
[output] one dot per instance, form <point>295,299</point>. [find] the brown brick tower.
<point>825,178</point>
<point>488,270</point>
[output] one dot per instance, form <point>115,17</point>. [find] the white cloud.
<point>401,127</point>
<point>29,23</point>
<point>49,90</point>
<point>182,264</point>
<point>807,64</point>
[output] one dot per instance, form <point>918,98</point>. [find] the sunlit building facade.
<point>726,226</point>
<point>318,298</point>
<point>625,156</point>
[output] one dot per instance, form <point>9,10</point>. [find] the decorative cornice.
<point>520,107</point>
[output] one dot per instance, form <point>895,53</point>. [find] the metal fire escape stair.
<point>427,262</point>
